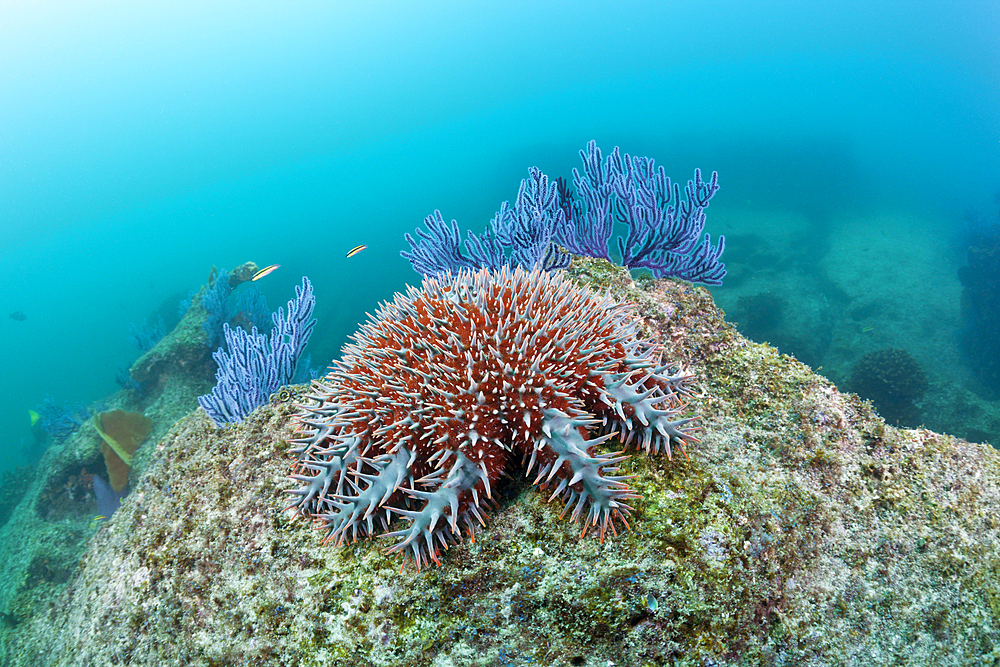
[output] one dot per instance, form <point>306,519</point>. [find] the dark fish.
<point>18,315</point>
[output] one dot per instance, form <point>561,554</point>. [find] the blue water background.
<point>143,143</point>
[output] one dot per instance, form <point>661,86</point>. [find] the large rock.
<point>802,530</point>
<point>182,354</point>
<point>55,519</point>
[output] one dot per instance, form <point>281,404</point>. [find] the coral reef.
<point>452,384</point>
<point>69,494</point>
<point>548,221</point>
<point>59,421</point>
<point>254,366</point>
<point>802,530</point>
<point>893,380</point>
<point>182,357</point>
<point>124,380</point>
<point>664,231</point>
<point>214,298</point>
<point>49,529</point>
<point>252,311</point>
<point>242,273</point>
<point>148,334</point>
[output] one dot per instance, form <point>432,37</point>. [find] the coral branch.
<point>547,222</point>
<point>256,365</point>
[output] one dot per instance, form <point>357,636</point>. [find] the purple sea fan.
<point>254,366</point>
<point>664,230</point>
<point>549,221</point>
<point>454,383</point>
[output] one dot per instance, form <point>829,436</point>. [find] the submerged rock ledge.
<point>802,530</point>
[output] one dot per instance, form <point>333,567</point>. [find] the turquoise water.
<point>142,145</point>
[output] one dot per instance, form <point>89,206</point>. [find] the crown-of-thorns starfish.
<point>451,384</point>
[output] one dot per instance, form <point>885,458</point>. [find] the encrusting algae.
<point>801,530</point>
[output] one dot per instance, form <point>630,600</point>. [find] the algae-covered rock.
<point>802,530</point>
<point>182,355</point>
<point>52,523</point>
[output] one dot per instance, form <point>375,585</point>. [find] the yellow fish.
<point>34,417</point>
<point>356,249</point>
<point>265,271</point>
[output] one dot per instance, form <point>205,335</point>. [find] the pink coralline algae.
<point>452,384</point>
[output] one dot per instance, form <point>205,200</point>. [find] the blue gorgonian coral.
<point>452,384</point>
<point>252,366</point>
<point>549,221</point>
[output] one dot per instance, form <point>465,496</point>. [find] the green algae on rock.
<point>801,530</point>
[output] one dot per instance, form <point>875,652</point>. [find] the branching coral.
<point>255,365</point>
<point>548,220</point>
<point>59,421</point>
<point>452,384</point>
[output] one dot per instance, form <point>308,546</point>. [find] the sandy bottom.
<point>832,291</point>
